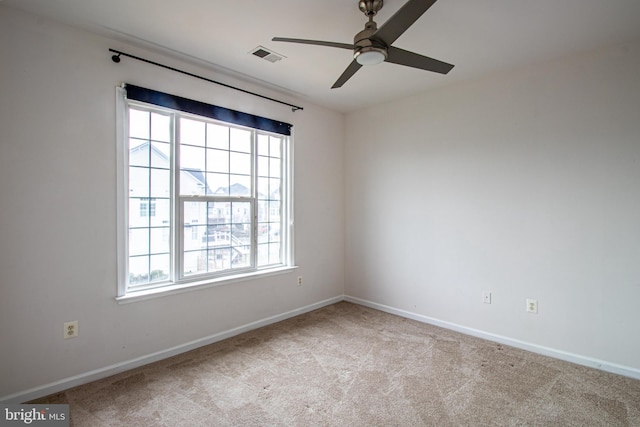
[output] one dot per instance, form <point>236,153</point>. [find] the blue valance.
<point>207,110</point>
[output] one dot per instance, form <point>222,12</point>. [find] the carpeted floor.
<point>348,365</point>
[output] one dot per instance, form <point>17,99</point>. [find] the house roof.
<point>195,174</point>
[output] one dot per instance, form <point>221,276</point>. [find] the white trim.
<point>590,362</point>
<point>117,368</point>
<point>163,291</point>
<point>122,190</point>
<point>288,165</point>
<point>107,371</point>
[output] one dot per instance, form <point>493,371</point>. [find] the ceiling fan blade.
<point>410,59</point>
<point>314,42</point>
<point>402,19</point>
<point>346,75</point>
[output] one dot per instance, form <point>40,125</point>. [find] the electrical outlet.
<point>486,297</point>
<point>532,306</point>
<point>70,329</point>
<point>299,280</point>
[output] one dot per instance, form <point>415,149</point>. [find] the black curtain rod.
<point>116,59</point>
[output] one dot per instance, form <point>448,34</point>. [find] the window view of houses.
<point>228,203</point>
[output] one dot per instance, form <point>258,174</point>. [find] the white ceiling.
<point>479,37</point>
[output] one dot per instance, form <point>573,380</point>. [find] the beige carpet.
<point>347,365</point>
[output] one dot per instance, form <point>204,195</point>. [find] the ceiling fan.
<point>372,45</point>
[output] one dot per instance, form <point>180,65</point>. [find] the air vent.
<point>266,54</point>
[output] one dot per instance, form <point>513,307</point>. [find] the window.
<point>206,199</point>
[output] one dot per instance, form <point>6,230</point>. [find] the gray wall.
<point>526,184</point>
<point>58,209</point>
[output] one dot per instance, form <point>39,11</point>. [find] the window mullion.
<point>176,208</point>
<point>286,221</point>
<point>148,204</point>
<point>254,198</point>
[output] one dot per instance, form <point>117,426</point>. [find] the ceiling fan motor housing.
<point>364,43</point>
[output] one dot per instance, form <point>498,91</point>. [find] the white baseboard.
<point>87,377</point>
<point>534,348</point>
<point>117,368</point>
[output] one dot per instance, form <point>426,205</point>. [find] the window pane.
<point>195,213</point>
<point>263,166</point>
<point>241,257</point>
<point>160,155</point>
<point>263,232</point>
<point>240,185</point>
<point>241,212</point>
<point>192,132</point>
<point>274,211</point>
<point>160,266</point>
<point>274,253</point>
<point>263,255</point>
<point>274,189</point>
<point>162,212</point>
<point>138,152</point>
<point>194,237</point>
<point>139,212</point>
<point>159,240</point>
<point>220,259</point>
<point>241,234</point>
<point>217,183</point>
<point>160,127</point>
<point>274,232</point>
<point>275,146</point>
<point>219,213</point>
<point>138,124</point>
<point>240,140</point>
<point>138,270</point>
<point>138,182</point>
<point>135,219</point>
<point>192,158</point>
<point>160,183</point>
<point>263,145</point>
<point>217,161</point>
<point>217,136</point>
<point>263,188</point>
<point>269,188</point>
<point>274,168</point>
<point>194,262</point>
<point>240,163</point>
<point>138,241</point>
<point>191,183</point>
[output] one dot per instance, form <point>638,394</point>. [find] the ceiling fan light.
<point>370,55</point>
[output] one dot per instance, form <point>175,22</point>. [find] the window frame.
<point>177,281</point>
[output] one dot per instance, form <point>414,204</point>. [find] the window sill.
<point>194,286</point>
